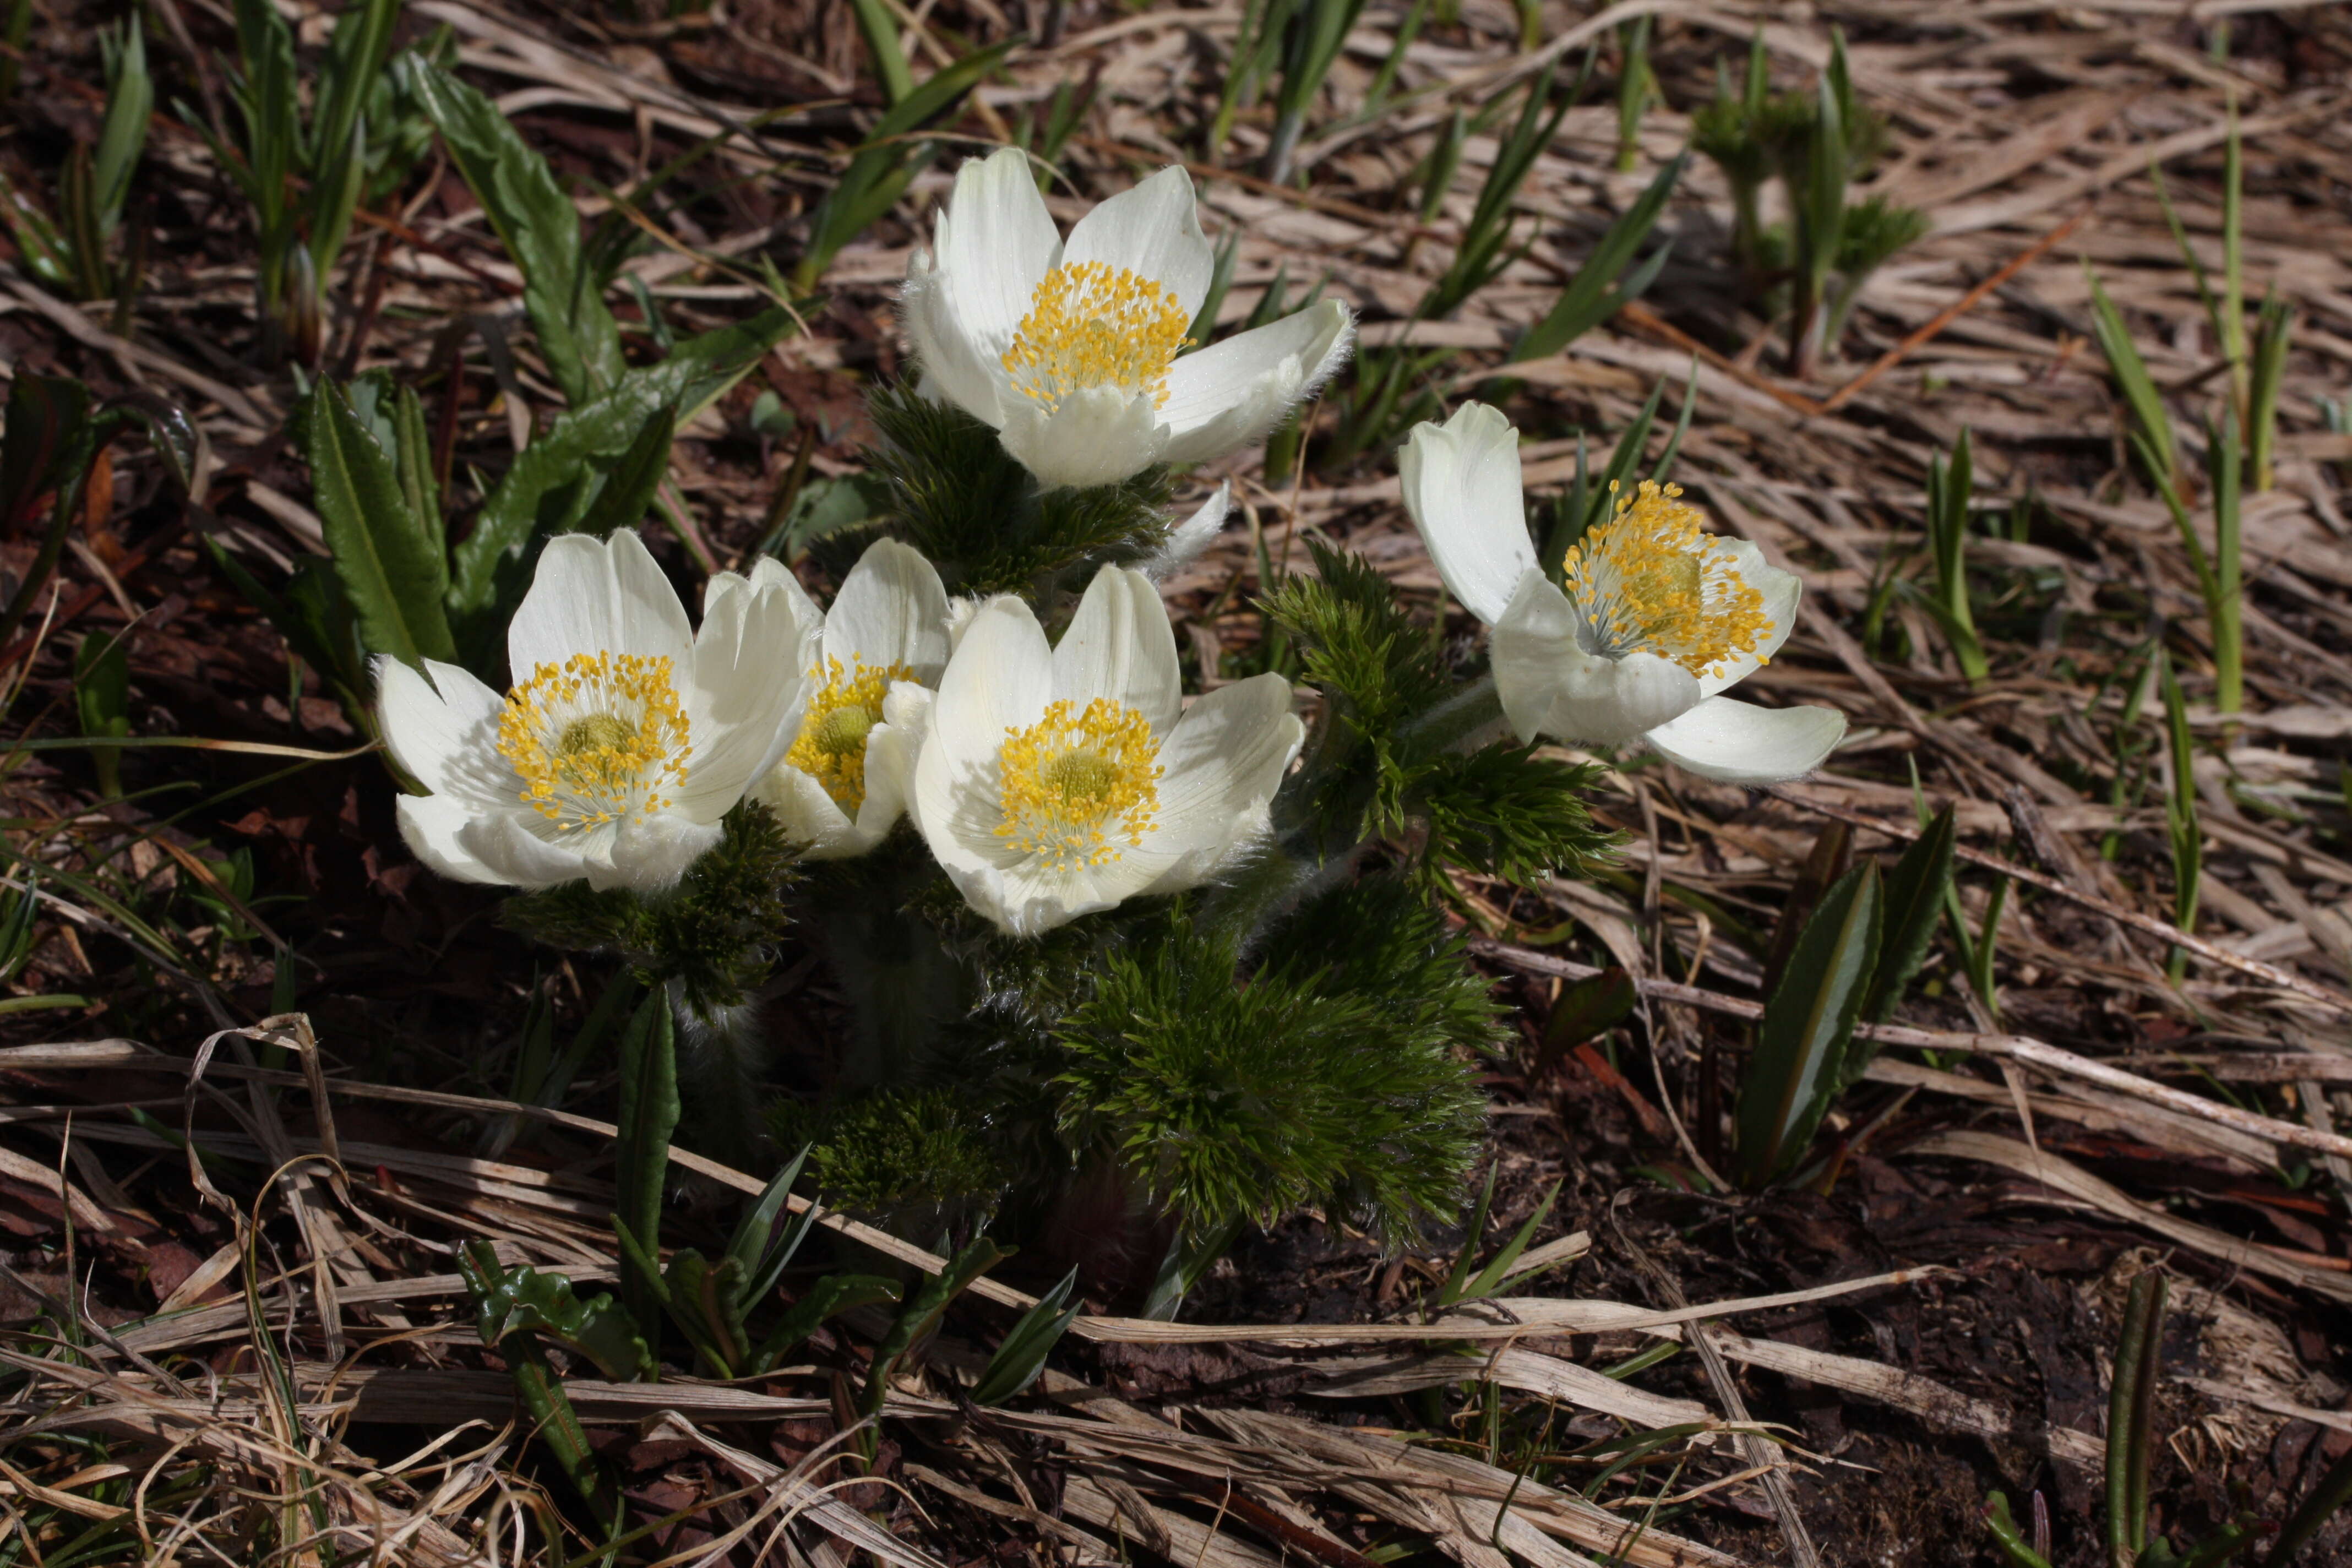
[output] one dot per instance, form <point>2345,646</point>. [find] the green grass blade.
<point>880,31</point>
<point>2152,424</point>
<point>130,107</point>
<point>1602,286</point>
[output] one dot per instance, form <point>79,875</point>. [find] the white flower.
<point>843,785</point>
<point>1655,619</point>
<point>1069,350</point>
<point>624,740</point>
<point>1055,781</point>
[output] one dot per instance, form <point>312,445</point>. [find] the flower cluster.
<point>1051,779</point>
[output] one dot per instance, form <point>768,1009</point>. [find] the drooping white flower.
<point>624,738</point>
<point>1654,620</point>
<point>1057,781</point>
<point>842,786</point>
<point>1069,350</point>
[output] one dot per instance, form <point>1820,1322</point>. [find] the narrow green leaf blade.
<point>394,573</point>
<point>1915,902</point>
<point>1808,1021</point>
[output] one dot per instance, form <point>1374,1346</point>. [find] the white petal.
<point>1000,678</point>
<point>1224,762</point>
<point>1551,685</point>
<point>589,596</point>
<point>1192,536</point>
<point>952,367</point>
<point>447,740</point>
<point>429,825</point>
<point>1098,436</point>
<point>1232,393</point>
<point>994,245</point>
<point>505,845</point>
<point>1154,231</point>
<point>891,610</point>
<point>651,853</point>
<point>1781,590</point>
<point>891,748</point>
<point>768,575</point>
<point>1461,483</point>
<point>1738,743</point>
<point>809,816</point>
<point>1121,646</point>
<point>744,708</point>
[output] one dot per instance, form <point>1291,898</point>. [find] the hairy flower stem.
<point>722,1057</point>
<point>1471,718</point>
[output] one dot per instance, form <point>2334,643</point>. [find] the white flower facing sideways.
<point>1069,349</point>
<point>1057,781</point>
<point>1654,619</point>
<point>624,740</point>
<point>842,786</point>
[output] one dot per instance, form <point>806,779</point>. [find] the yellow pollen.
<point>596,739</point>
<point>1077,783</point>
<point>1649,580</point>
<point>1092,325</point>
<point>831,747</point>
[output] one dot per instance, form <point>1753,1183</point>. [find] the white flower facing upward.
<point>1057,781</point>
<point>1069,349</point>
<point>623,741</point>
<point>842,786</point>
<point>1654,620</point>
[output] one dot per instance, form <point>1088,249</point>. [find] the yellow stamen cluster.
<point>831,747</point>
<point>1650,580</point>
<point>1092,325</point>
<point>1073,782</point>
<point>596,738</point>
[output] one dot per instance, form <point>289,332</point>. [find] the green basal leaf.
<point>1914,904</point>
<point>556,482</point>
<point>389,561</point>
<point>1022,1356</point>
<point>537,224</point>
<point>523,1300</point>
<point>1791,1077</point>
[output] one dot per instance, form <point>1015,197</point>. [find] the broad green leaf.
<point>556,481</point>
<point>523,1300</point>
<point>628,489</point>
<point>390,564</point>
<point>1915,902</point>
<point>537,224</point>
<point>1587,1008</point>
<point>47,417</point>
<point>1791,1077</point>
